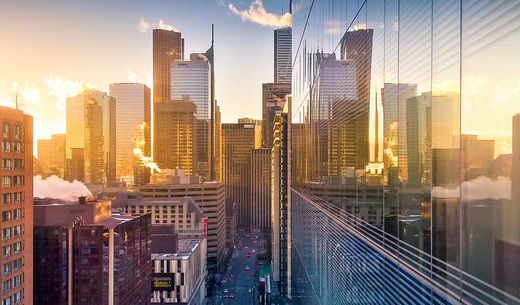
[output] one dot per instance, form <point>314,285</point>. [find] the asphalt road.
<point>237,280</point>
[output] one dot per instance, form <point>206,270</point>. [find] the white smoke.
<point>57,188</point>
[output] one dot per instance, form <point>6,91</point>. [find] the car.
<point>246,268</point>
<point>226,290</point>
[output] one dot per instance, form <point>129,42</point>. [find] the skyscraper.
<point>238,140</point>
<point>281,200</point>
<point>51,155</point>
<point>210,55</point>
<point>357,46</point>
<point>192,80</point>
<point>17,207</point>
<point>261,190</point>
<point>283,55</point>
<point>174,133</point>
<point>91,134</point>
<point>133,118</point>
<point>273,99</point>
<point>218,144</point>
<point>167,47</point>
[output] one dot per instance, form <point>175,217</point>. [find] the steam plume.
<point>57,188</point>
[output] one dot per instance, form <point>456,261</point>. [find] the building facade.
<point>180,277</point>
<point>273,99</point>
<point>261,190</point>
<point>175,135</point>
<point>281,201</point>
<point>191,80</point>
<point>17,207</point>
<point>210,198</point>
<point>133,126</point>
<point>91,138</point>
<point>238,140</point>
<point>92,253</point>
<point>283,55</point>
<point>431,223</point>
<point>51,156</point>
<point>167,47</point>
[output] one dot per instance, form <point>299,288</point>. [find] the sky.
<point>52,49</point>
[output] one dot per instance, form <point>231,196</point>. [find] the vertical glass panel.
<point>490,142</point>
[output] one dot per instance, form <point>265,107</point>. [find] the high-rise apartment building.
<point>174,135</point>
<point>281,201</point>
<point>92,253</point>
<point>210,198</point>
<point>273,99</point>
<point>283,55</point>
<point>51,156</point>
<point>261,190</point>
<point>238,140</point>
<point>191,80</point>
<point>17,207</point>
<point>91,138</point>
<point>133,125</point>
<point>167,47</point>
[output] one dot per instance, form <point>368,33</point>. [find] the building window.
<point>6,164</point>
<point>18,164</point>
<point>6,198</point>
<point>6,181</point>
<point>6,216</point>
<point>17,132</point>
<point>6,146</point>
<point>6,130</point>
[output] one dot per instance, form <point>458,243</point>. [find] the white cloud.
<point>132,76</point>
<point>143,26</point>
<point>257,14</point>
<point>164,26</point>
<point>332,27</point>
<point>28,94</point>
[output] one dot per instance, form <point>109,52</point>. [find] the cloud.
<point>62,88</point>
<point>221,2</point>
<point>332,27</point>
<point>57,188</point>
<point>480,188</point>
<point>132,76</point>
<point>143,26</point>
<point>257,14</point>
<point>358,26</point>
<point>164,26</point>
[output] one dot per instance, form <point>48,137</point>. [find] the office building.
<point>231,223</point>
<point>91,138</point>
<point>214,112</point>
<point>273,99</point>
<point>174,133</point>
<point>92,251</point>
<point>281,201</point>
<point>191,80</point>
<point>218,144</point>
<point>283,55</point>
<point>477,156</point>
<point>238,140</point>
<point>133,125</point>
<point>51,156</point>
<point>179,274</point>
<point>167,47</point>
<point>17,207</point>
<point>261,190</point>
<point>182,213</point>
<point>515,179</point>
<point>210,198</point>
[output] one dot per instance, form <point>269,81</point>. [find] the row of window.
<point>12,266</point>
<point>12,232</point>
<point>8,164</point>
<point>18,180</point>
<point>17,197</point>
<point>7,129</point>
<point>15,214</point>
<point>14,299</point>
<point>11,283</point>
<point>17,147</point>
<point>14,248</point>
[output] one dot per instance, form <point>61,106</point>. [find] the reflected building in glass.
<point>407,191</point>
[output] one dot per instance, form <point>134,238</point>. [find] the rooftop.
<point>184,250</point>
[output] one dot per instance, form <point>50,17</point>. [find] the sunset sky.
<point>51,49</point>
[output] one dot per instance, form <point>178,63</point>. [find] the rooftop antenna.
<point>290,7</point>
<point>212,33</point>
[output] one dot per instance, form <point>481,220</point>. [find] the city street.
<point>237,286</point>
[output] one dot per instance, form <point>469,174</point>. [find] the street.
<point>237,286</point>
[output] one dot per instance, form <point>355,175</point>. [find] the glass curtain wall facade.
<point>406,152</point>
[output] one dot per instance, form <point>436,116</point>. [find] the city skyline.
<point>63,71</point>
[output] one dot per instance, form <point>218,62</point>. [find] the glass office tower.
<point>406,190</point>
